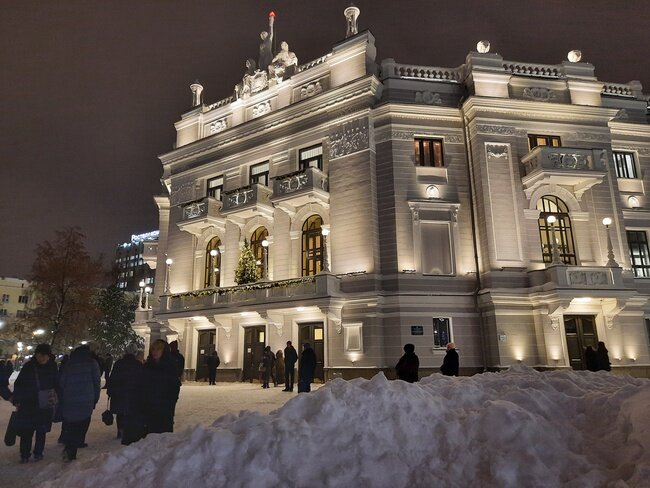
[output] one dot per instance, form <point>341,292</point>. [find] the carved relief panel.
<point>349,138</point>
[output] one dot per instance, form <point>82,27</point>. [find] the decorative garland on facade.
<point>252,286</point>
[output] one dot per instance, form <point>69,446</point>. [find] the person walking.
<point>450,363</point>
<point>290,359</point>
<point>35,396</point>
<point>268,359</point>
<point>160,389</point>
<point>108,365</point>
<point>124,387</point>
<point>602,357</point>
<point>408,366</point>
<point>213,362</point>
<point>6,369</point>
<point>80,388</point>
<point>179,359</point>
<point>279,366</point>
<point>306,368</point>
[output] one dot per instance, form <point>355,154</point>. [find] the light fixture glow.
<point>213,253</point>
<point>265,243</point>
<point>38,332</point>
<point>607,221</point>
<point>169,261</point>
<point>551,219</point>
<point>142,284</point>
<point>83,343</point>
<point>300,309</point>
<point>325,231</point>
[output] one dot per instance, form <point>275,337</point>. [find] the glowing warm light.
<point>483,46</point>
<point>633,202</point>
<point>300,309</point>
<point>147,290</point>
<point>142,284</point>
<point>433,191</point>
<point>69,347</point>
<point>574,56</point>
<point>271,13</point>
<point>83,343</point>
<point>38,332</point>
<point>169,261</point>
<point>607,221</point>
<point>354,357</point>
<point>265,243</point>
<point>325,232</point>
<point>29,348</point>
<point>551,219</point>
<point>582,299</point>
<point>213,253</point>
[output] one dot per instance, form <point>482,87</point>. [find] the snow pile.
<point>512,429</point>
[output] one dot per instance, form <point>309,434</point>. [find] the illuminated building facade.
<point>409,204</point>
<point>135,261</point>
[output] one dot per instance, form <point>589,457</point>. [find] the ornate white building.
<point>405,203</point>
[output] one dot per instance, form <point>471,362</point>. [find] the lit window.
<point>258,250</point>
<point>428,152</point>
<point>625,166</point>
<point>637,241</point>
<point>437,258</point>
<point>260,174</point>
<point>215,187</point>
<point>552,205</point>
<point>311,157</point>
<point>212,263</point>
<point>536,140</point>
<point>441,332</point>
<point>5,298</point>
<point>312,246</point>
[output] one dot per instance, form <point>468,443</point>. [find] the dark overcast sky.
<point>90,89</point>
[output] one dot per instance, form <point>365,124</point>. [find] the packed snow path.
<point>515,429</point>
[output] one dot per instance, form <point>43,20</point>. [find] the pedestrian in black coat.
<point>108,365</point>
<point>161,386</point>
<point>450,363</point>
<point>290,360</point>
<point>124,390</point>
<point>603,357</point>
<point>268,361</point>
<point>179,359</point>
<point>306,368</point>
<point>591,359</point>
<point>38,374</point>
<point>408,366</point>
<point>6,369</point>
<point>212,362</point>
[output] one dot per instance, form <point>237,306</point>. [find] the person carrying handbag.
<point>36,394</point>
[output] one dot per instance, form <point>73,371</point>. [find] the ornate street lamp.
<point>265,269</point>
<point>214,253</point>
<point>611,262</point>
<point>142,285</point>
<point>147,291</point>
<point>551,219</point>
<point>326,264</point>
<point>168,262</point>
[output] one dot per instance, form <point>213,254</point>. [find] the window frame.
<point>450,335</point>
<point>303,164</point>
<point>211,190</point>
<point>533,142</point>
<point>420,156</point>
<point>644,268</point>
<point>563,228</point>
<point>312,234</point>
<point>255,178</point>
<point>623,167</point>
<point>257,237</point>
<point>211,263</point>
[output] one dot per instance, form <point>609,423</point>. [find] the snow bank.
<point>519,428</point>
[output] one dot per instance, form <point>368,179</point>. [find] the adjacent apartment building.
<point>499,204</point>
<point>135,261</point>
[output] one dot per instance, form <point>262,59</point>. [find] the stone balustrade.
<point>311,64</point>
<point>619,90</point>
<point>577,277</point>
<point>308,179</point>
<point>245,198</point>
<point>200,208</point>
<point>564,158</point>
<point>219,104</point>
<point>391,69</point>
<point>533,69</point>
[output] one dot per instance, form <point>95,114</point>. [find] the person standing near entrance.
<point>306,368</point>
<point>450,363</point>
<point>290,359</point>
<point>591,359</point>
<point>161,386</point>
<point>408,366</point>
<point>179,359</point>
<point>212,362</point>
<point>268,360</point>
<point>602,357</point>
<point>279,367</point>
<point>80,387</point>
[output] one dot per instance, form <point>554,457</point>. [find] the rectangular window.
<point>625,165</point>
<point>352,337</point>
<point>311,157</point>
<point>428,152</point>
<point>435,246</point>
<point>537,140</point>
<point>3,311</point>
<point>260,174</point>
<point>21,314</point>
<point>637,241</point>
<point>23,299</point>
<point>5,298</point>
<point>215,187</point>
<point>441,332</point>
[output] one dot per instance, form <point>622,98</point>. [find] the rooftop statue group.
<point>269,69</point>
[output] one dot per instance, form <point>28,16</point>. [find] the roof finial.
<point>197,90</point>
<point>351,15</point>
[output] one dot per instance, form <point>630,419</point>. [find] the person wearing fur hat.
<point>36,393</point>
<point>408,366</point>
<point>123,388</point>
<point>450,363</point>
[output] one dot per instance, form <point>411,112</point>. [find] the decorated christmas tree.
<point>246,271</point>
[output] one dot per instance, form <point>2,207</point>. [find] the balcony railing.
<point>578,277</point>
<point>304,182</point>
<point>564,158</point>
<point>308,287</point>
<point>247,199</point>
<point>200,214</point>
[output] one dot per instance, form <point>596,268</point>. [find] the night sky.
<point>90,89</point>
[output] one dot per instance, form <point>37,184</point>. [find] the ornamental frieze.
<point>349,138</point>
<point>539,94</point>
<point>428,98</point>
<point>496,151</point>
<point>218,126</point>
<point>587,278</point>
<point>589,136</point>
<point>499,130</point>
<point>183,193</point>
<point>409,135</point>
<point>310,89</point>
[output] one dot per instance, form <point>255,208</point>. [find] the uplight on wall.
<point>633,202</point>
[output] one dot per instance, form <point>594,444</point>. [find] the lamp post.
<point>168,262</point>
<point>147,290</point>
<point>551,219</point>
<point>265,269</point>
<point>326,263</point>
<point>213,262</point>
<point>142,285</point>
<point>611,262</point>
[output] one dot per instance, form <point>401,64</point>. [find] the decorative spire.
<point>197,90</point>
<point>351,15</point>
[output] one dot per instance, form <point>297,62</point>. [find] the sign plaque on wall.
<point>417,330</point>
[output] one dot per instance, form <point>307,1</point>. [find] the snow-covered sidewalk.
<point>198,404</point>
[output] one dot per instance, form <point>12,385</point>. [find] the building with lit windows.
<point>15,298</point>
<point>389,204</point>
<point>135,261</point>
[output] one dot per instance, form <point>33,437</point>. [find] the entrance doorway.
<point>205,348</point>
<point>314,334</point>
<point>254,341</point>
<point>580,332</point>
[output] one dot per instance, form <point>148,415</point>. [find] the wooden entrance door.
<point>315,335</point>
<point>204,349</point>
<point>580,332</point>
<point>254,341</point>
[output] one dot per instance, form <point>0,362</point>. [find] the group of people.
<point>282,366</point>
<point>597,359</point>
<point>143,396</point>
<point>408,366</point>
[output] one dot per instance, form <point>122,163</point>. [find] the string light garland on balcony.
<point>247,287</point>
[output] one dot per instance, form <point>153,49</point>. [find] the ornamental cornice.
<point>419,112</point>
<point>629,128</point>
<point>368,85</point>
<point>387,133</point>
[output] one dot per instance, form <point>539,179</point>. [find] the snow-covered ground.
<point>514,429</point>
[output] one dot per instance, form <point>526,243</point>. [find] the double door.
<point>580,332</point>
<point>313,333</point>
<point>205,348</point>
<point>254,342</point>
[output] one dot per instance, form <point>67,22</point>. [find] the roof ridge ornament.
<point>351,16</point>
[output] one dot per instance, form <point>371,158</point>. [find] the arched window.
<point>212,263</point>
<point>258,250</point>
<point>312,246</point>
<point>552,205</point>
